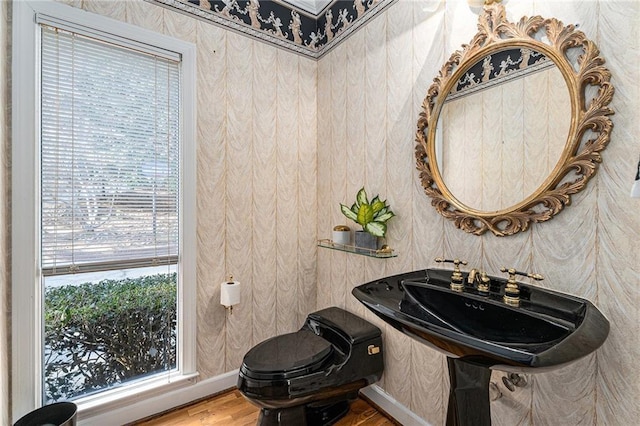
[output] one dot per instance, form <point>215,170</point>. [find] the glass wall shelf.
<point>380,253</point>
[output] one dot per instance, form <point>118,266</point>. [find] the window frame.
<point>27,333</point>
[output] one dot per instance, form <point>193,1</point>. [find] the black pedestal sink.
<point>478,331</point>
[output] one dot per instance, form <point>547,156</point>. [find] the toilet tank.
<point>355,329</point>
<point>358,339</point>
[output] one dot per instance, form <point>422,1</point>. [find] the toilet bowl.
<point>309,377</point>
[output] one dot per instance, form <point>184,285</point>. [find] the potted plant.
<point>372,216</point>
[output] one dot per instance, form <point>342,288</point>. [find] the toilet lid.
<point>300,351</point>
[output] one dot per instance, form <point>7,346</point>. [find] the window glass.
<point>109,214</point>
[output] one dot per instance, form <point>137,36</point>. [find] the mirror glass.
<point>502,129</point>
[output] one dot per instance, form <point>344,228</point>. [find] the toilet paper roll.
<point>230,293</point>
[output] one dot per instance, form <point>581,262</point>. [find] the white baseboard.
<point>139,409</point>
<point>389,405</point>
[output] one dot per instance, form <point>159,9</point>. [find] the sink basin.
<point>478,331</point>
<point>547,330</point>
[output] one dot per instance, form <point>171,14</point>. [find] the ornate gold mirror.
<point>514,123</point>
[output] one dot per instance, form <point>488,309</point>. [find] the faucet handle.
<point>483,285</point>
<point>512,274</point>
<point>456,262</point>
<point>512,290</point>
<point>456,275</point>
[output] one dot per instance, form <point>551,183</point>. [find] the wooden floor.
<point>232,409</point>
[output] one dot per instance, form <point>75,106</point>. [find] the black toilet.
<point>310,377</point>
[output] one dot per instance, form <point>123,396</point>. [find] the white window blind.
<point>110,127</point>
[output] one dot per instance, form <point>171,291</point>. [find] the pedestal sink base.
<point>468,394</point>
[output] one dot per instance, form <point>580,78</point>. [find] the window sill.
<point>118,398</point>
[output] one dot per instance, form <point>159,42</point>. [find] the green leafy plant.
<point>372,216</point>
<point>99,335</point>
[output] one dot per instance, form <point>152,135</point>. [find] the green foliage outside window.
<point>98,335</point>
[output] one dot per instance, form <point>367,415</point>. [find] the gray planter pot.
<point>365,242</point>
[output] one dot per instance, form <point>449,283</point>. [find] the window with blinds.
<point>109,212</point>
<point>109,155</point>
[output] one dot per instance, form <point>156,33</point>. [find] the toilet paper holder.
<point>229,294</point>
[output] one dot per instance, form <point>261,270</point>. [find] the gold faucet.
<point>471,278</point>
<point>456,275</point>
<point>480,278</point>
<point>512,290</point>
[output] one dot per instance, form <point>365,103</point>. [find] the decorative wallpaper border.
<point>283,25</point>
<point>498,68</point>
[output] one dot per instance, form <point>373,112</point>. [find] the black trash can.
<point>56,414</point>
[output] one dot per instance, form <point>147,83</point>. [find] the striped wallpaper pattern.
<point>282,140</point>
<point>591,249</point>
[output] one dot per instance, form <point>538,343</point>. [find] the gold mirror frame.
<point>589,131</point>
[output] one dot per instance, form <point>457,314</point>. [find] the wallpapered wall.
<point>267,180</point>
<point>369,93</point>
